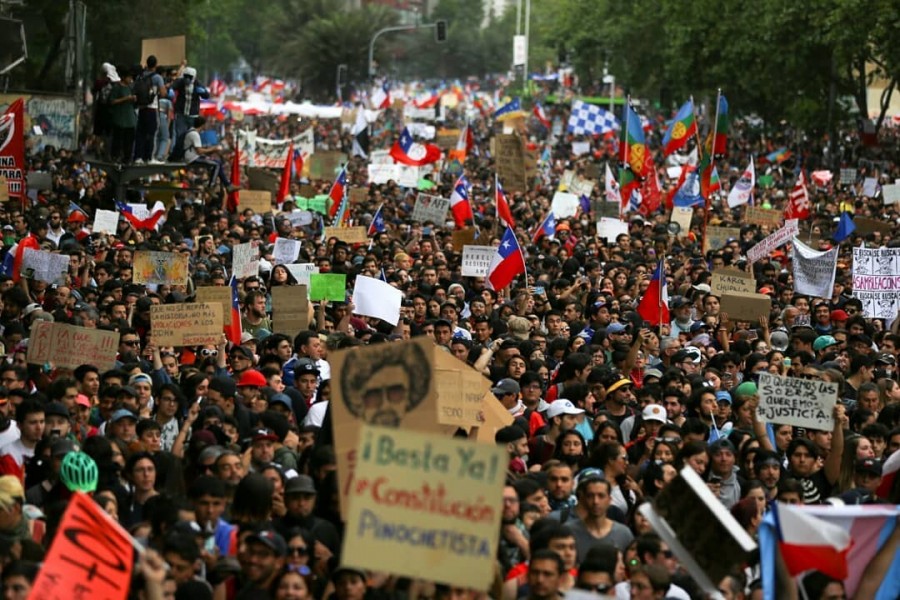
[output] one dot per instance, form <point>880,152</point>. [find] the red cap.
<point>839,315</point>
<point>77,217</point>
<point>251,377</point>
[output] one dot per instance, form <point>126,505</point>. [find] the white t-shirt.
<point>18,451</point>
<point>191,143</point>
<point>316,414</point>
<point>623,592</point>
<point>10,435</point>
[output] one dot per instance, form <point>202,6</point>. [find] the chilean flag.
<point>548,228</point>
<point>381,96</point>
<point>459,203</point>
<point>377,224</point>
<point>408,152</point>
<point>235,330</point>
<point>541,116</point>
<point>337,192</point>
<point>148,224</point>
<point>502,205</point>
<point>654,305</point>
<point>507,263</point>
<point>284,187</point>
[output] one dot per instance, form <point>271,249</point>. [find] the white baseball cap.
<point>563,407</point>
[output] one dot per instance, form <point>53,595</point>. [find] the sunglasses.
<point>298,550</point>
<point>209,352</point>
<point>131,342</point>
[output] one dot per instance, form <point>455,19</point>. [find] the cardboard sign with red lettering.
<point>91,556</point>
<point>69,346</point>
<point>191,324</point>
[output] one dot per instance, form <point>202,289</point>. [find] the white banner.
<point>476,260</point>
<point>790,230</point>
<point>799,402</point>
<point>264,152</point>
<point>876,281</point>
<point>813,270</point>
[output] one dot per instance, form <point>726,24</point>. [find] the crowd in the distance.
<point>220,459</point>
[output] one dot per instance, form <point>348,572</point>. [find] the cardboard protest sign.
<point>799,402</point>
<point>69,347</point>
<point>603,208</point>
<point>105,221</point>
<point>388,384</point>
<point>717,237</point>
<point>564,205</point>
<point>446,139</point>
<point>410,487</point>
<point>245,259</point>
<point>169,51</point>
<point>813,270</point>
<point>302,271</point>
<point>186,324</point>
<point>866,225</point>
<point>742,306</point>
<point>290,309</point>
<point>731,280</point>
<point>216,294</point>
<point>774,240</point>
<point>328,286</point>
<point>763,216</point>
<point>510,161</point>
<point>4,189</point>
<point>495,418</point>
<point>308,191</point>
<point>160,268</point>
<point>261,179</point>
<point>876,281</point>
<point>430,208</point>
<point>682,215</point>
<point>285,250</point>
<point>698,528</point>
<point>259,201</point>
<point>460,391</point>
<point>359,195</point>
<point>610,229</point>
<point>91,557</point>
<point>351,235</point>
<point>462,237</point>
<point>41,265</point>
<point>376,298</point>
<point>323,165</point>
<point>476,260</point>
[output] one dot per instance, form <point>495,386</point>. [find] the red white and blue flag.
<point>547,227</point>
<point>409,152</point>
<point>234,331</point>
<point>503,210</point>
<point>654,305</point>
<point>459,203</point>
<point>337,192</point>
<point>541,116</point>
<point>148,224</point>
<point>381,96</point>
<point>508,262</point>
<point>377,224</point>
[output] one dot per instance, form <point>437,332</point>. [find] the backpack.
<point>144,90</point>
<point>177,154</point>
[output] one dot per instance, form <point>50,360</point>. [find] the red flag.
<point>651,196</point>
<point>234,198</point>
<point>284,188</point>
<point>235,330</point>
<point>503,210</point>
<point>148,224</point>
<point>91,555</point>
<point>797,206</point>
<point>654,304</point>
<point>12,148</point>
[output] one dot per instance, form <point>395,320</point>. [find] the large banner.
<point>12,149</point>
<point>48,120</point>
<point>813,270</point>
<point>876,281</point>
<point>263,152</point>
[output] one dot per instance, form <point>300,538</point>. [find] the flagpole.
<point>497,205</point>
<point>707,202</point>
<point>662,282</point>
<point>625,115</point>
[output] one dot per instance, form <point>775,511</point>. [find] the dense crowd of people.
<point>220,459</point>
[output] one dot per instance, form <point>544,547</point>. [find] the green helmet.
<point>79,472</point>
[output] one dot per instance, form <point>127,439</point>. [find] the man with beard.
<point>681,316</point>
<point>129,347</point>
<point>560,486</point>
<point>300,500</point>
<point>261,562</point>
<point>254,318</point>
<point>515,442</point>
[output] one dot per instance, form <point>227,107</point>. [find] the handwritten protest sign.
<point>460,392</point>
<point>169,51</point>
<point>186,324</point>
<point>359,195</point>
<point>160,268</point>
<point>41,265</point>
<point>799,402</point>
<point>742,306</point>
<point>285,251</point>
<point>876,281</point>
<point>778,238</point>
<point>259,201</point>
<point>870,187</point>
<point>717,237</point>
<point>813,270</point>
<point>328,286</point>
<point>890,193</point>
<point>302,271</point>
<point>866,225</point>
<point>430,208</point>
<point>245,259</point>
<point>476,260</point>
<point>564,205</point>
<point>105,221</point>
<point>848,176</point>
<point>91,556</point>
<point>382,173</point>
<point>69,347</point>
<point>763,216</point>
<point>510,159</point>
<point>387,384</point>
<point>375,298</point>
<point>290,309</point>
<point>412,487</point>
<point>351,235</point>
<point>731,280</point>
<point>216,294</point>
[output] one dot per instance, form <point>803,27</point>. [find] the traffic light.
<point>440,31</point>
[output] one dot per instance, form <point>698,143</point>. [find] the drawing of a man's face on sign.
<point>381,388</point>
